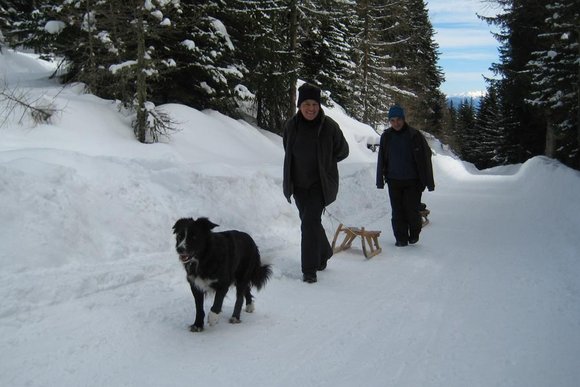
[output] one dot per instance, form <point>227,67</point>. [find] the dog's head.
<point>192,237</point>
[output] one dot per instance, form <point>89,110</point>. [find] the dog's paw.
<point>213,318</point>
<point>250,308</point>
<point>235,320</point>
<point>195,328</point>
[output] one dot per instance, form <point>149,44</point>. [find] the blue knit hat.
<point>396,112</point>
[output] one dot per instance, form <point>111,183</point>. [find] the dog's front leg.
<point>198,296</point>
<point>216,308</point>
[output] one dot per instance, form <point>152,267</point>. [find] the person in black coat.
<point>313,144</point>
<point>404,163</point>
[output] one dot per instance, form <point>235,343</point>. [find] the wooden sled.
<point>424,214</point>
<point>368,238</point>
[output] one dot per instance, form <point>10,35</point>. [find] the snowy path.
<point>463,307</point>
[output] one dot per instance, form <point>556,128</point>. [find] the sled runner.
<point>368,238</point>
<point>424,214</point>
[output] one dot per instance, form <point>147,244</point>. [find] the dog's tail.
<point>260,276</point>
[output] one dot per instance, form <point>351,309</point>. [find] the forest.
<point>244,59</point>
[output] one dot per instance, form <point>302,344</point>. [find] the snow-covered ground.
<point>94,295</point>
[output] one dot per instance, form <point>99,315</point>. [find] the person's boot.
<point>414,237</point>
<point>309,278</point>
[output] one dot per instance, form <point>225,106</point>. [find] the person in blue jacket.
<point>313,145</point>
<point>404,163</point>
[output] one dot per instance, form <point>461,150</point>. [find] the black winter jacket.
<point>331,148</point>
<point>421,157</point>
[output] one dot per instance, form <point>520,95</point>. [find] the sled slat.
<point>424,216</point>
<point>369,240</point>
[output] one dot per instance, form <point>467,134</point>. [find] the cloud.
<point>478,56</point>
<point>454,11</point>
<point>457,76</point>
<point>456,23</point>
<point>463,37</point>
<point>467,47</point>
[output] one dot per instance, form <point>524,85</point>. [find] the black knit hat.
<point>308,91</point>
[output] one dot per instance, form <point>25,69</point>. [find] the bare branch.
<point>40,109</point>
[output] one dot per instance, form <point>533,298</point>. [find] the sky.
<point>93,293</point>
<point>467,47</point>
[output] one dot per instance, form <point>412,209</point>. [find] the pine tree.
<point>7,13</point>
<point>13,15</point>
<point>118,51</point>
<point>448,123</point>
<point>380,70</point>
<point>465,129</point>
<point>520,26</point>
<point>133,50</point>
<point>23,24</point>
<point>369,53</point>
<point>260,31</point>
<point>488,133</point>
<point>325,46</point>
<point>423,75</point>
<point>204,71</point>
<point>556,80</point>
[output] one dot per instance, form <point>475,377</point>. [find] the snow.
<point>221,30</point>
<point>190,44</point>
<point>94,295</point>
<point>54,27</point>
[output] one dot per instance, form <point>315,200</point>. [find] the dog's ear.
<point>181,224</point>
<point>207,223</point>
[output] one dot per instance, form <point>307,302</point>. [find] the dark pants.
<point>405,196</point>
<point>315,248</point>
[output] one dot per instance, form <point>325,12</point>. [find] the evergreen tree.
<point>449,123</point>
<point>369,53</point>
<point>133,50</point>
<point>423,76</point>
<point>379,77</point>
<point>260,31</point>
<point>489,135</point>
<point>520,24</point>
<point>13,16</point>
<point>5,24</point>
<point>23,24</point>
<point>204,70</point>
<point>465,129</point>
<point>556,80</point>
<point>118,50</point>
<point>453,133</point>
<point>325,46</point>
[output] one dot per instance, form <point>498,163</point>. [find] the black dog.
<point>215,261</point>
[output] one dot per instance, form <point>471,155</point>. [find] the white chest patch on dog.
<point>201,283</point>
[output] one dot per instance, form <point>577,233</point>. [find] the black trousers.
<point>315,248</point>
<point>405,196</point>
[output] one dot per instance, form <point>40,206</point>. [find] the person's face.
<point>397,123</point>
<point>309,109</point>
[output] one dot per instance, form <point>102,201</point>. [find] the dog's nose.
<point>180,250</point>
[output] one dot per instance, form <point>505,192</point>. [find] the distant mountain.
<point>457,99</point>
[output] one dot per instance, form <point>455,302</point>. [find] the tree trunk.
<point>550,139</point>
<point>577,166</point>
<point>293,30</point>
<point>141,124</point>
